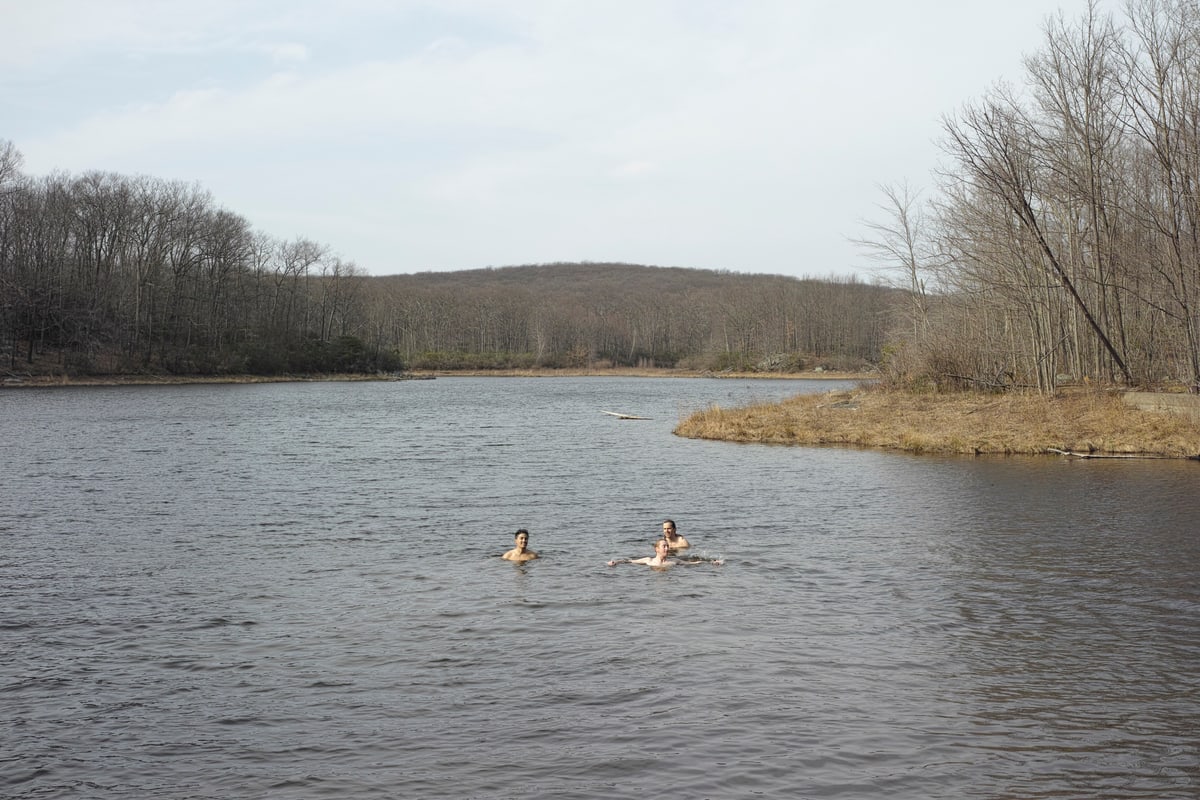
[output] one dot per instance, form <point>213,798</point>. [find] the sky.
<point>413,135</point>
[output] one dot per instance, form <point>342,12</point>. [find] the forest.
<point>579,315</point>
<point>1061,240</point>
<point>108,274</point>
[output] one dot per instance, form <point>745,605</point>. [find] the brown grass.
<point>1093,423</point>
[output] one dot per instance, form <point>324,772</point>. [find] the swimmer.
<point>674,540</point>
<point>520,552</point>
<point>661,558</point>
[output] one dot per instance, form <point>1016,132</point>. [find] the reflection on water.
<point>294,591</point>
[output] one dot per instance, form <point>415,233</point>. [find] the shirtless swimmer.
<point>520,552</point>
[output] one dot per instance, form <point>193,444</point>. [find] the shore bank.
<point>50,381</point>
<point>610,372</point>
<point>651,372</point>
<point>1093,424</point>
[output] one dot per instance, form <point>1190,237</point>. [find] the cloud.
<point>408,133</point>
<point>286,52</point>
<point>635,169</point>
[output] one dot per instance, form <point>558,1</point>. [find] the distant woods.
<point>576,315</point>
<point>103,273</point>
<point>1062,242</point>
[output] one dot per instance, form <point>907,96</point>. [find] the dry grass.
<point>1094,423</point>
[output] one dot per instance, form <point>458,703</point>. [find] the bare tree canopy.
<point>1066,227</point>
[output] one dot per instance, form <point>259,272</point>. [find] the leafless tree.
<point>899,243</point>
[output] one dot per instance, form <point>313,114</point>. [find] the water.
<point>293,591</point>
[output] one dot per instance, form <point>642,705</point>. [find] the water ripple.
<point>294,591</point>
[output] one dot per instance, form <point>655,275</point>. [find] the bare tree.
<point>995,145</point>
<point>900,245</point>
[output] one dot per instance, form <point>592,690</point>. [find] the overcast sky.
<point>747,135</point>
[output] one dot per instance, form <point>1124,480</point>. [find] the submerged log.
<point>1105,455</point>
<point>622,416</point>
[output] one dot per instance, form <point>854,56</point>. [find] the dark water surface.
<point>293,590</point>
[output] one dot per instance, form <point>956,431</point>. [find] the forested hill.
<point>627,314</point>
<point>309,314</point>
<point>576,314</point>
<point>106,274</point>
<point>577,277</point>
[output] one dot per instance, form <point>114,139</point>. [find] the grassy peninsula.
<point>1092,422</point>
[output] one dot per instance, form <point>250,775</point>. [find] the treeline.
<point>1063,239</point>
<point>102,273</point>
<point>575,315</point>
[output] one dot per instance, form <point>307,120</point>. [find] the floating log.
<point>1103,455</point>
<point>622,416</point>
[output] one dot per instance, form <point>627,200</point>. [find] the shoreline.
<point>649,372</point>
<point>49,381</point>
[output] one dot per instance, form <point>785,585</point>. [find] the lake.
<point>295,591</point>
